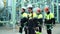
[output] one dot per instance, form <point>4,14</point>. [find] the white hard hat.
<point>24,7</point>
<point>29,5</point>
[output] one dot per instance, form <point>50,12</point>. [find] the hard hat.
<point>46,8</point>
<point>29,5</point>
<point>23,7</point>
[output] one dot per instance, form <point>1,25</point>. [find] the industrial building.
<point>10,13</point>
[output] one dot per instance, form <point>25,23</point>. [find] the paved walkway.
<point>5,30</point>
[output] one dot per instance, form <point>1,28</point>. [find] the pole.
<point>53,5</point>
<point>22,3</point>
<point>57,12</point>
<point>13,17</point>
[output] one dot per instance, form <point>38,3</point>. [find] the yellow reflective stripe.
<point>40,16</point>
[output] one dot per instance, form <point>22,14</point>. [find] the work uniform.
<point>49,20</point>
<point>23,20</point>
<point>32,22</point>
<point>40,21</point>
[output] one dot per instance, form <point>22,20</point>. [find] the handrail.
<point>4,21</point>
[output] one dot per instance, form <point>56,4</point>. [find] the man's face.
<point>38,11</point>
<point>22,10</point>
<point>29,10</point>
<point>46,11</point>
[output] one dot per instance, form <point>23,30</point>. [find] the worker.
<point>40,21</point>
<point>49,20</point>
<point>31,20</point>
<point>23,19</point>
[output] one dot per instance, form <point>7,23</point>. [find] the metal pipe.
<point>57,12</point>
<point>13,13</point>
<point>53,5</point>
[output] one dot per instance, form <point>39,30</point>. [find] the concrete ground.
<point>5,30</point>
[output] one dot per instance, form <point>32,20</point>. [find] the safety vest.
<point>49,16</point>
<point>39,16</point>
<point>24,15</point>
<point>32,15</point>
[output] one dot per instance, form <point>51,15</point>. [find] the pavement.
<point>6,30</point>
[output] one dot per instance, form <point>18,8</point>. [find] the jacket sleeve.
<point>53,20</point>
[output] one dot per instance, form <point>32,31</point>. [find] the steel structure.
<point>12,9</point>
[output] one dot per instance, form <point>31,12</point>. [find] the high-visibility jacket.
<point>49,18</point>
<point>32,21</point>
<point>24,15</point>
<point>24,18</point>
<point>32,15</point>
<point>40,18</point>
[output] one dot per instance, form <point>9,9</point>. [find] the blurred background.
<point>10,11</point>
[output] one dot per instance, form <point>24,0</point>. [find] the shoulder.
<point>34,13</point>
<point>25,13</point>
<point>51,13</point>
